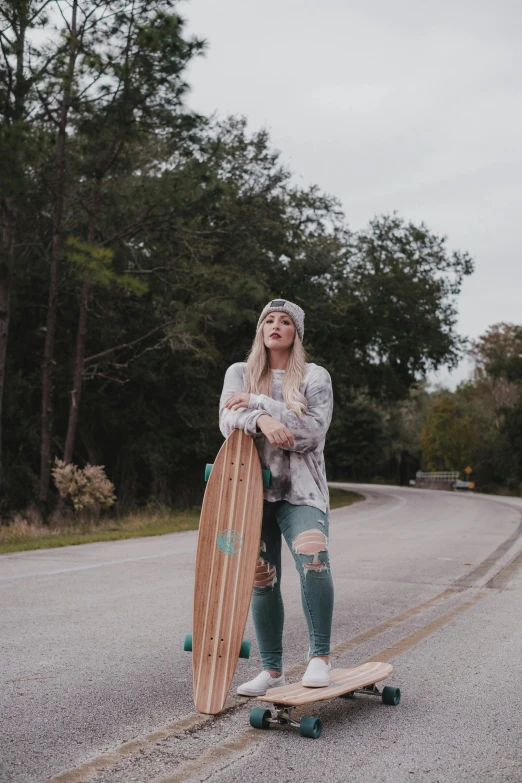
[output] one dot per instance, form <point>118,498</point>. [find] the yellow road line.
<point>226,750</point>
<point>196,722</point>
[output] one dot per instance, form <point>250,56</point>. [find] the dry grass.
<point>27,531</point>
<point>20,535</point>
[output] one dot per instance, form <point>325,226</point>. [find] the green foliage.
<point>184,227</point>
<point>397,302</point>
<point>95,265</point>
<point>355,441</point>
<point>447,437</point>
<point>512,432</point>
<point>498,354</point>
<point>480,423</point>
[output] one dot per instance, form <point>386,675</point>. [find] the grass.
<point>342,497</point>
<point>21,536</point>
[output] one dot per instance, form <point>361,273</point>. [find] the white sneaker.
<point>317,674</point>
<point>260,684</point>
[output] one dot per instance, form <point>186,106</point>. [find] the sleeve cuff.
<point>251,423</point>
<point>254,401</point>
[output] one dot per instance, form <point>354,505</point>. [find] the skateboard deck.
<point>227,552</point>
<point>344,683</point>
<point>341,681</point>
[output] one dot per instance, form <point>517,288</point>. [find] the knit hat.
<point>284,306</point>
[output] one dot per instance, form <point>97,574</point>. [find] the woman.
<point>286,405</point>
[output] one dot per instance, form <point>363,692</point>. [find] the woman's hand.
<point>241,400</point>
<point>275,432</point>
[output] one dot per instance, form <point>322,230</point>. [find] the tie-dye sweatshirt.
<point>298,473</point>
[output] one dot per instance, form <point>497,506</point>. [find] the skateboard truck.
<point>345,684</point>
<point>284,716</point>
<point>308,726</point>
<point>267,474</point>
<point>244,650</point>
<point>368,690</point>
<point>389,694</point>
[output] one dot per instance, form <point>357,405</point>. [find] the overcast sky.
<point>408,105</point>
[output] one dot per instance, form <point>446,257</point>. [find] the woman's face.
<point>278,332</point>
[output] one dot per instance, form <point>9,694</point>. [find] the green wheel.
<point>391,695</point>
<point>350,695</point>
<point>208,470</point>
<point>244,650</point>
<point>267,478</point>
<point>259,718</point>
<point>310,727</point>
<point>187,643</point>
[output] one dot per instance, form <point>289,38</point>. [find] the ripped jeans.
<point>305,529</point>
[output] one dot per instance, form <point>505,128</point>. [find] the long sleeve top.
<point>298,473</point>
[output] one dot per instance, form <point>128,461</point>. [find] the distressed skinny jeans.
<point>305,529</point>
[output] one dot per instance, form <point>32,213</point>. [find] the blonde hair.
<point>258,378</point>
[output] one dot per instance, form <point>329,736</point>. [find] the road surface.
<point>95,685</point>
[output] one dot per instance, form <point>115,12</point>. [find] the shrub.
<point>89,489</point>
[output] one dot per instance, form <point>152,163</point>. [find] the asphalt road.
<point>95,685</point>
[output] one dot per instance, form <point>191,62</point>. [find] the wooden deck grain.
<point>342,681</point>
<point>228,547</point>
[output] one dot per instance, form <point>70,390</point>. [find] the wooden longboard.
<point>227,552</point>
<point>344,683</point>
<point>341,681</point>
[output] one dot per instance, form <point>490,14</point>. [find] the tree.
<point>403,421</point>
<point>210,220</point>
<point>80,33</point>
<point>447,437</point>
<point>497,356</point>
<point>356,440</point>
<point>494,399</point>
<point>23,68</point>
<point>137,96</point>
<point>397,300</point>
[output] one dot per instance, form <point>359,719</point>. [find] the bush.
<point>89,489</point>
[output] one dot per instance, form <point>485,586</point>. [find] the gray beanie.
<point>284,306</point>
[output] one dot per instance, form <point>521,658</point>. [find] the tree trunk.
<point>76,392</point>
<point>6,271</point>
<point>79,361</point>
<point>59,201</point>
<point>9,223</point>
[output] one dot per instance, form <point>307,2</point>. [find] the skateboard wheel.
<point>391,695</point>
<point>350,695</point>
<point>259,718</point>
<point>187,643</point>
<point>208,470</point>
<point>267,478</point>
<point>310,727</point>
<point>244,650</point>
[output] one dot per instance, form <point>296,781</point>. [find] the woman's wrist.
<point>263,416</point>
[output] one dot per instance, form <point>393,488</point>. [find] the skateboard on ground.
<point>344,684</point>
<point>226,557</point>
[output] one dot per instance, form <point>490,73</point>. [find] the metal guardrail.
<point>438,475</point>
<point>441,479</point>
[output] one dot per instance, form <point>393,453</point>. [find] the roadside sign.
<point>468,470</point>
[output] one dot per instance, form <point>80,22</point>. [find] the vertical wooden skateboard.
<point>227,552</point>
<point>344,684</point>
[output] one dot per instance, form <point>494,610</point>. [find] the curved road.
<point>95,686</point>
